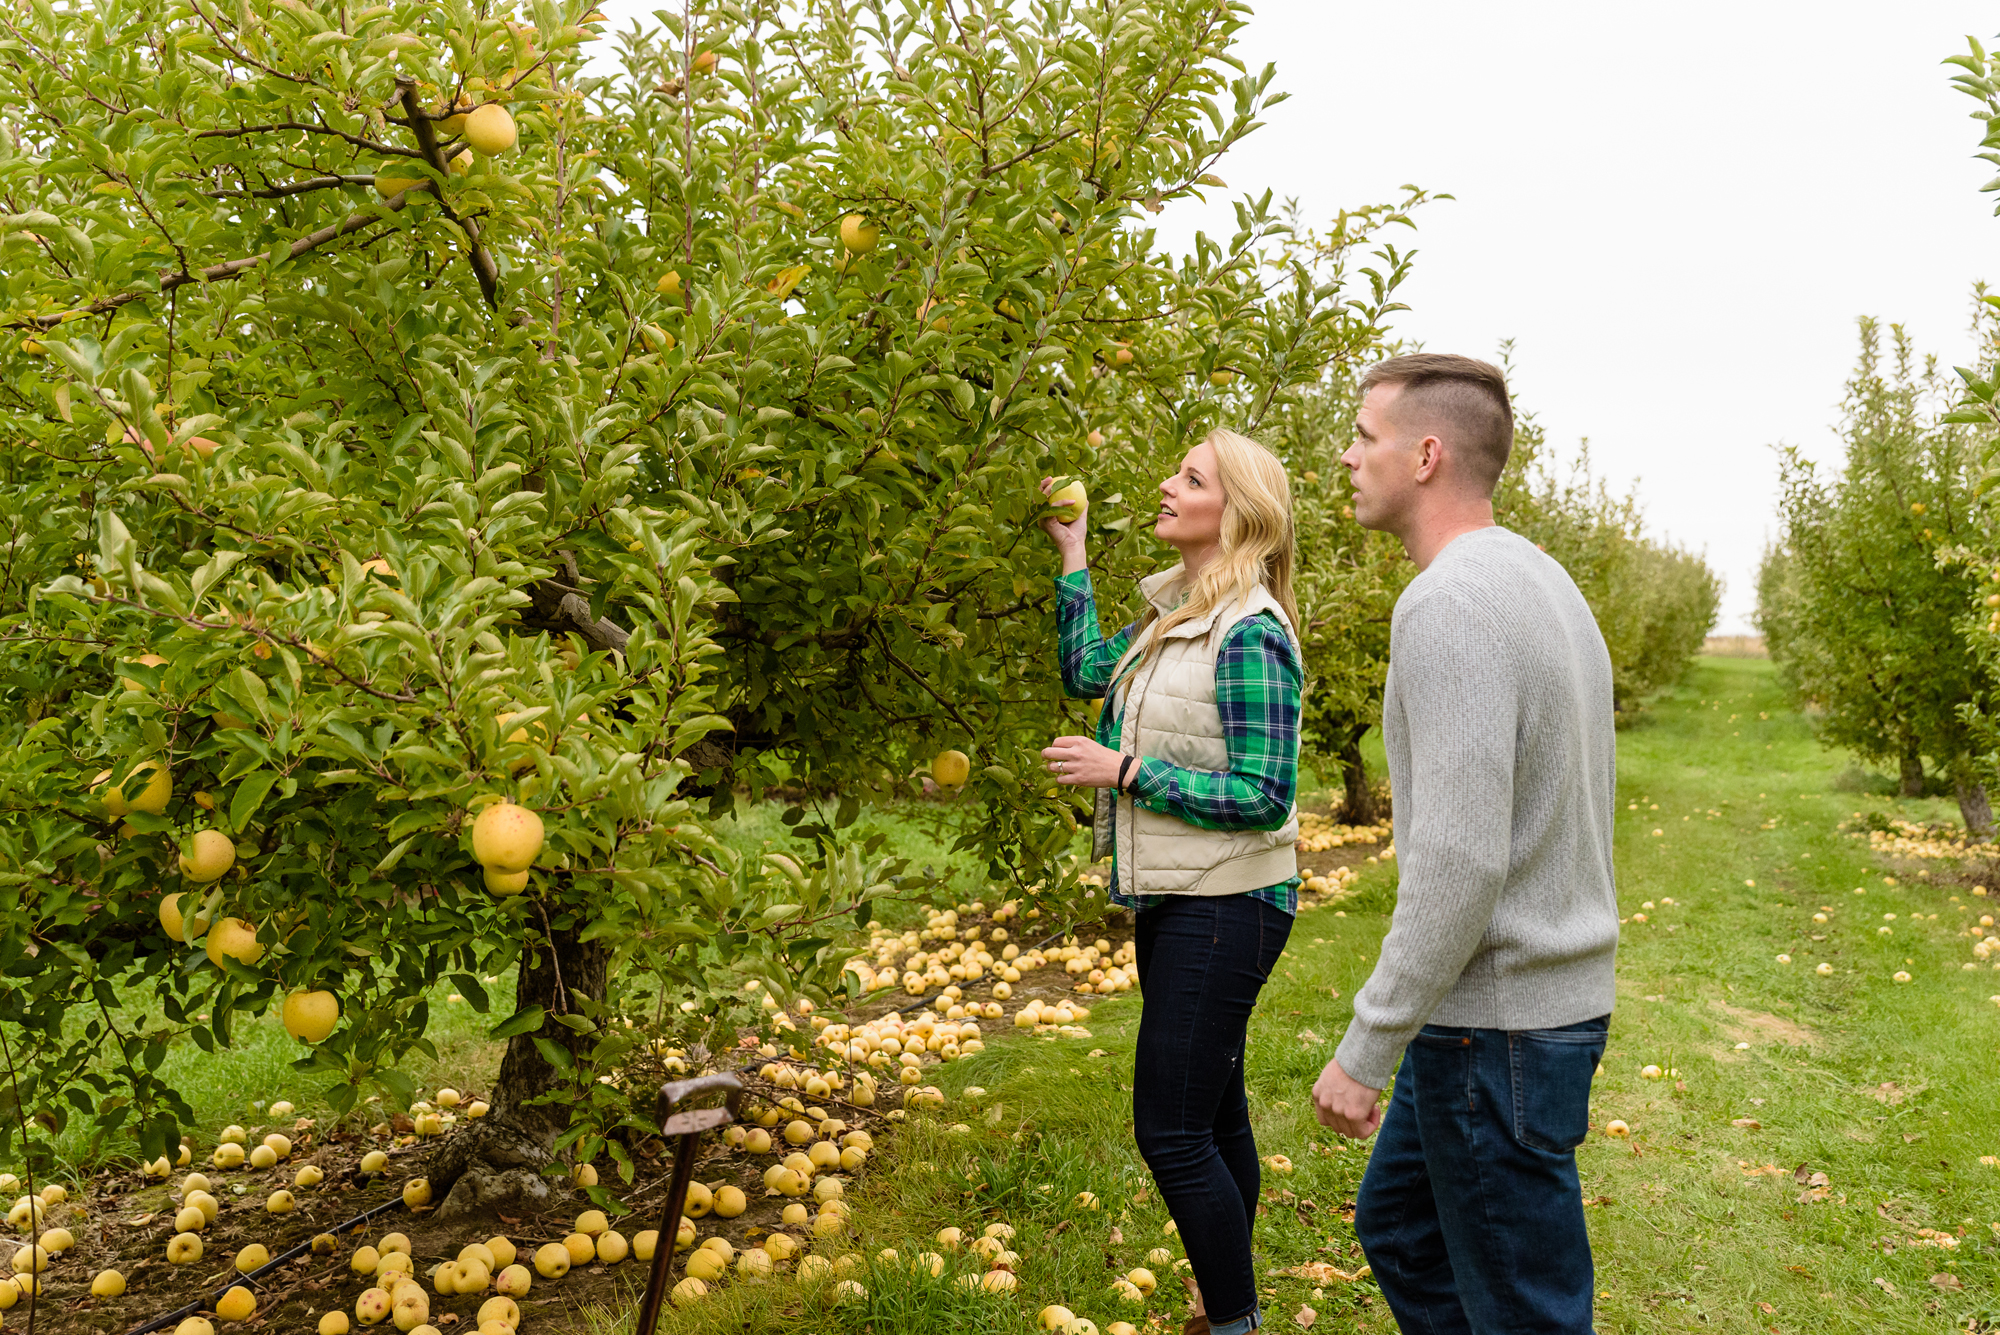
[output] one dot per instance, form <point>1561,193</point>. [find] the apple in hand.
<point>1067,500</point>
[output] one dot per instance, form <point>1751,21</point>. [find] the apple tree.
<point>409,416</point>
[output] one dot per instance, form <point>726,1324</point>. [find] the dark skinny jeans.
<point>1202,961</point>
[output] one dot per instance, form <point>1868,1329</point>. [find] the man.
<point>1495,982</point>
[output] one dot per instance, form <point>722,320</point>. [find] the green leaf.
<point>521,1022</point>
<point>250,794</point>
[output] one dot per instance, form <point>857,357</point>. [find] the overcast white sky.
<point>1677,212</point>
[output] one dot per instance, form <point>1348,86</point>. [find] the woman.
<point>1200,742</point>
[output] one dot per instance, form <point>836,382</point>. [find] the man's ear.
<point>1430,457</point>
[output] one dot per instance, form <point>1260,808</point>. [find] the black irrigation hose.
<point>208,1303</point>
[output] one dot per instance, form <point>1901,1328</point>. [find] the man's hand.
<point>1345,1104</point>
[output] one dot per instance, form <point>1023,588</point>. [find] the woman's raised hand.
<point>1068,536</point>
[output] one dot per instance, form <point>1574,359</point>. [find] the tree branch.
<point>215,273</point>
<point>483,265</point>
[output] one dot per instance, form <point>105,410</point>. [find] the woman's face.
<point>1191,502</point>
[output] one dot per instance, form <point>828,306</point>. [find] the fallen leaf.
<point>1819,1180</point>
<point>1116,1236</point>
<point>1760,1170</point>
<point>1883,1284</point>
<point>1306,1316</point>
<point>1945,1280</point>
<point>1748,1123</point>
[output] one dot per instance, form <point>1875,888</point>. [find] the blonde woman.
<point>1199,740</point>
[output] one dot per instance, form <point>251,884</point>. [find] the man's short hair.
<point>1459,399</point>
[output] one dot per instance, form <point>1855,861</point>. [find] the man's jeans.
<point>1202,961</point>
<point>1471,1212</point>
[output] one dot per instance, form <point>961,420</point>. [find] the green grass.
<point>1685,1238</point>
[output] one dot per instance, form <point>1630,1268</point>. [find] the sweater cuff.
<point>1369,1055</point>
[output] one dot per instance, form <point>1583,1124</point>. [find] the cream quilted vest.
<point>1170,713</point>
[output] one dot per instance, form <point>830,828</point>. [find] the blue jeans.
<point>1202,961</point>
<point>1471,1212</point>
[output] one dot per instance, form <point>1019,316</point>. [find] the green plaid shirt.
<point>1257,687</point>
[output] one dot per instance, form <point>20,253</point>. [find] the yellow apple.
<point>107,1284</point>
<point>416,1192</point>
<point>389,187</point>
<point>176,926</point>
<point>310,1016</point>
<point>150,796</point>
<point>372,1307</point>
<point>1069,501</point>
<point>183,1248</point>
<point>704,62</point>
<point>689,1290</point>
<point>252,1256</point>
<point>489,128</point>
<point>515,1281</point>
<point>233,938</point>
<point>612,1247</point>
<point>669,284</point>
<point>207,856</point>
<point>730,1202</point>
<point>951,769</point>
<point>582,1251</point>
<point>506,837</point>
<point>859,235</point>
<point>505,882</point>
<point>195,1325</point>
<point>374,1161</point>
<point>552,1260</point>
<point>333,1323</point>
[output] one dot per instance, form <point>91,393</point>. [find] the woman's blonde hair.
<point>1258,544</point>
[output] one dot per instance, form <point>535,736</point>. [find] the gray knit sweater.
<point>1497,721</point>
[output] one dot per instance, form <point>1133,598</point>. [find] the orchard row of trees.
<point>1880,599</point>
<point>672,438</point>
<point>1872,602</point>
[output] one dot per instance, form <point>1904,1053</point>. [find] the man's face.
<point>1383,469</point>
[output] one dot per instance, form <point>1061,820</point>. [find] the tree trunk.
<point>1359,806</point>
<point>1974,808</point>
<point>1913,773</point>
<point>495,1164</point>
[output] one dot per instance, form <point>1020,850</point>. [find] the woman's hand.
<point>1067,536</point>
<point>1082,762</point>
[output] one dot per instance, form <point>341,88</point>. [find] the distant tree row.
<point>1880,599</point>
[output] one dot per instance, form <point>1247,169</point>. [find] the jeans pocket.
<point>1551,1071</point>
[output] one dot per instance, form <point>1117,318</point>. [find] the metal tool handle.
<point>687,1126</point>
